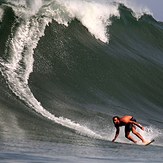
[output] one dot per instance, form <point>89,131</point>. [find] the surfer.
<point>130,125</point>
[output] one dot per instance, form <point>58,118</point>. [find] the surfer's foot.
<point>146,142</point>
<point>135,142</point>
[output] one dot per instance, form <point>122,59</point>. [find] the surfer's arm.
<point>116,134</point>
<point>137,124</point>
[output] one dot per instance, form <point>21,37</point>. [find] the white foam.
<point>93,15</point>
<point>16,2</point>
<point>138,10</point>
<point>151,132</point>
<point>34,5</point>
<point>1,14</point>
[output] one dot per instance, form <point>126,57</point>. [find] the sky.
<point>155,6</point>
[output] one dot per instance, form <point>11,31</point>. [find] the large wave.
<point>25,34</point>
<point>27,28</point>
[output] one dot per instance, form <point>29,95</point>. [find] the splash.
<point>93,15</point>
<point>138,9</point>
<point>34,5</point>
<point>1,14</point>
<point>151,132</point>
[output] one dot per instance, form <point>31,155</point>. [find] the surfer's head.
<point>116,120</point>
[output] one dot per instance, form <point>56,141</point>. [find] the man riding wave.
<point>130,125</point>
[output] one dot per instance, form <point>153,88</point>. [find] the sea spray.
<point>93,15</point>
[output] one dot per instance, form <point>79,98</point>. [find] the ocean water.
<point>66,68</point>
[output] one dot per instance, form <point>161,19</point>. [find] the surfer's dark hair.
<point>115,117</point>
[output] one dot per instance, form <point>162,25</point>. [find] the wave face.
<point>71,65</point>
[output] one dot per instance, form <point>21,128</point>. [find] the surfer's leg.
<point>128,136</point>
<point>127,133</point>
<point>137,134</point>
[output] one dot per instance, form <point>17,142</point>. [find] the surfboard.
<point>150,142</point>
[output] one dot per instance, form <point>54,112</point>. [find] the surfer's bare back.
<point>130,125</point>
